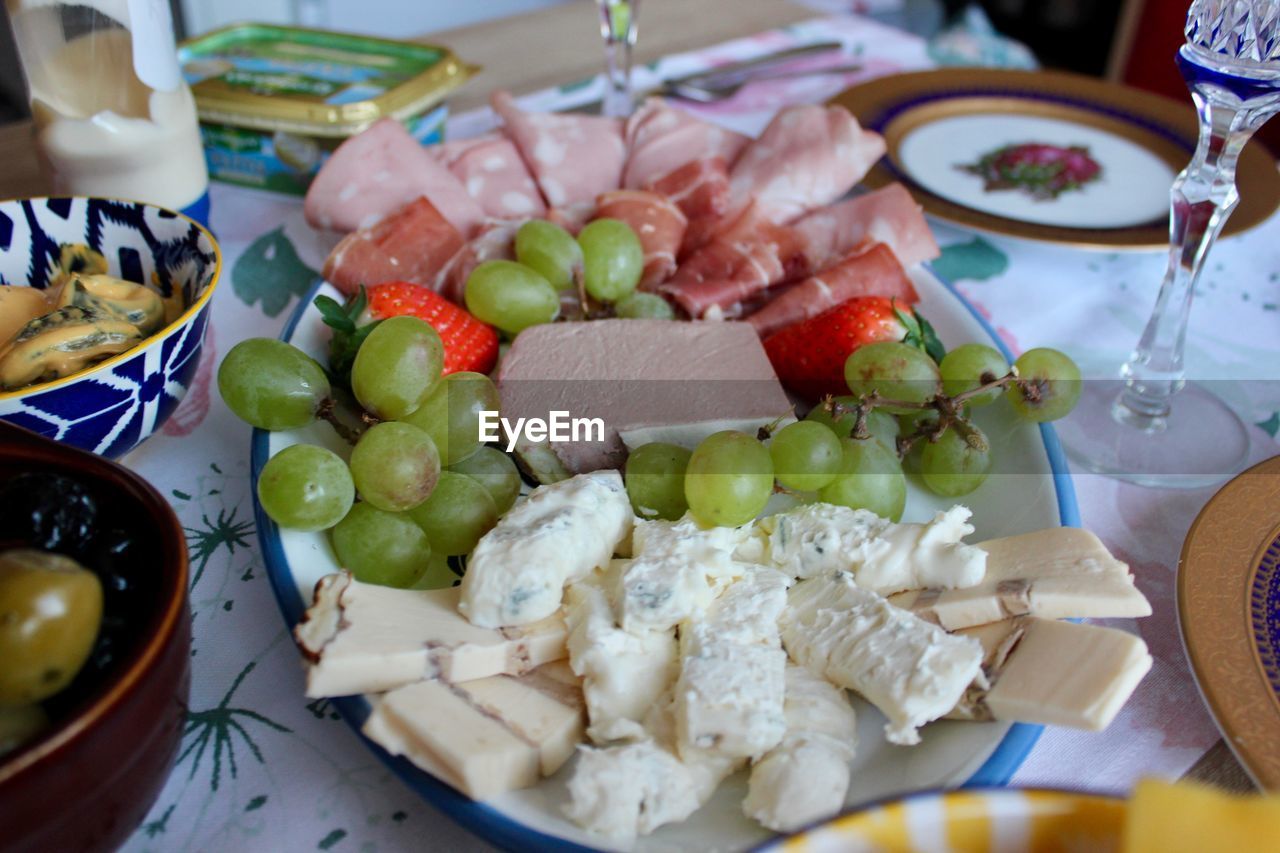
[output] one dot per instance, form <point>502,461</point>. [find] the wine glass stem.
<point>618,27</point>
<point>1202,198</point>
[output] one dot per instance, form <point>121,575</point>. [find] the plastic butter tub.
<point>275,101</point>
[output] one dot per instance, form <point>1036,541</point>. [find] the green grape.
<point>395,466</point>
<point>898,371</point>
<point>880,423</point>
<point>511,296</point>
<point>729,479</point>
<point>550,251</point>
<point>494,470</point>
<point>271,384</point>
<point>612,259</point>
<point>641,306</point>
<point>397,366</point>
<point>1055,381</point>
<point>970,365</point>
<point>457,514</point>
<point>451,414</point>
<point>379,547</point>
<point>305,487</point>
<point>953,465</point>
<point>806,455</point>
<point>655,480</point>
<point>439,574</point>
<point>870,477</point>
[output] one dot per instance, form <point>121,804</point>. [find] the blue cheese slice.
<point>623,673</point>
<point>483,737</point>
<point>1057,573</point>
<point>805,778</point>
<point>365,638</point>
<point>913,671</point>
<point>560,533</point>
<point>818,539</point>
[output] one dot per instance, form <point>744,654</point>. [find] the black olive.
<point>47,511</point>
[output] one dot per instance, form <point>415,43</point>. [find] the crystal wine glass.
<point>618,29</point>
<point>1159,430</point>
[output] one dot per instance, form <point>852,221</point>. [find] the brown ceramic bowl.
<point>90,778</point>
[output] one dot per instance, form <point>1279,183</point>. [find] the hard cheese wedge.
<point>1058,573</point>
<point>484,737</point>
<point>1055,673</point>
<point>365,638</point>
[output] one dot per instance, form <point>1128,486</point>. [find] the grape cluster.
<point>428,489</point>
<point>599,271</point>
<point>906,412</point>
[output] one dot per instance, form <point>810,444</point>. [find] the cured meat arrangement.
<point>730,227</point>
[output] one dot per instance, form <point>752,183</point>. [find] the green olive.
<point>50,612</point>
<point>19,725</point>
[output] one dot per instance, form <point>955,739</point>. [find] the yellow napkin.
<point>1172,818</point>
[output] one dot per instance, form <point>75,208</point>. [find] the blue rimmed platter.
<point>1029,489</point>
<point>1229,615</point>
<point>945,132</point>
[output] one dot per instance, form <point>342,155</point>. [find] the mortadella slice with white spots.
<point>574,158</point>
<point>493,174</point>
<point>377,172</point>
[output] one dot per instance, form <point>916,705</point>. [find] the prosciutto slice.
<point>889,215</point>
<point>736,266</point>
<point>661,139</point>
<point>495,242</point>
<point>700,189</point>
<point>657,222</point>
<point>870,269</point>
<point>807,157</point>
<point>376,173</point>
<point>413,244</point>
<point>493,174</point>
<point>574,158</point>
<point>572,217</point>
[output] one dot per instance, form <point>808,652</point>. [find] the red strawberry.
<point>469,344</point>
<point>809,356</point>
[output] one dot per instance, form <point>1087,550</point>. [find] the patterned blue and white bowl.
<point>112,406</point>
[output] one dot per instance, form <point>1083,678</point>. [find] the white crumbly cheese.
<point>518,570</point>
<point>819,539</point>
<point>1058,573</point>
<point>805,777</point>
<point>914,672</point>
<point>623,673</point>
<point>676,570</point>
<point>365,638</point>
<point>483,737</point>
<point>729,697</point>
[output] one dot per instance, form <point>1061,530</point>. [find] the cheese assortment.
<point>693,653</point>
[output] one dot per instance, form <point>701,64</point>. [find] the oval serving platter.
<point>938,123</point>
<point>1029,489</point>
<point>1229,615</point>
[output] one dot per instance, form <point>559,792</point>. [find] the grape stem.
<point>327,411</point>
<point>950,411</point>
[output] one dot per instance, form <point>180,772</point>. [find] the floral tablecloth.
<point>262,768</point>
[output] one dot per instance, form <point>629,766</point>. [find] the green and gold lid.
<point>314,82</point>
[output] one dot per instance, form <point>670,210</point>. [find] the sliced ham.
<point>889,215</point>
<point>661,139</point>
<point>493,174</point>
<point>737,266</point>
<point>377,172</point>
<point>657,222</point>
<point>870,269</point>
<point>574,158</point>
<point>807,157</point>
<point>495,242</point>
<point>700,189</point>
<point>413,244</point>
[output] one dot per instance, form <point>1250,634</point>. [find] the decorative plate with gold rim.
<point>1229,613</point>
<point>1045,156</point>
